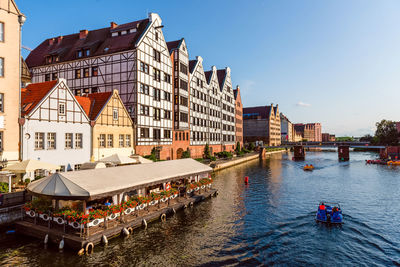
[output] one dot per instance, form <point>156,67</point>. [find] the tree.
<point>206,152</point>
<point>367,138</point>
<point>186,154</point>
<point>386,133</point>
<point>238,149</point>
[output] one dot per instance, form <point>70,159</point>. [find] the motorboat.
<point>308,167</point>
<point>329,212</point>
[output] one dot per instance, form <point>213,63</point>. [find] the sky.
<point>333,62</point>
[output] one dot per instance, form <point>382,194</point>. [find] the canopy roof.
<point>118,159</point>
<point>31,165</point>
<point>99,183</point>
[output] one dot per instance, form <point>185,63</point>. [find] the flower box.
<point>31,213</point>
<point>59,220</point>
<point>95,222</point>
<point>189,191</point>
<point>112,216</point>
<point>153,202</point>
<point>165,199</point>
<point>129,211</point>
<point>75,225</point>
<point>197,189</point>
<point>203,186</point>
<point>44,217</point>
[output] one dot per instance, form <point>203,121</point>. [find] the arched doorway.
<point>179,153</point>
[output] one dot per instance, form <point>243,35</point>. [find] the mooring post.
<point>299,152</point>
<point>343,153</point>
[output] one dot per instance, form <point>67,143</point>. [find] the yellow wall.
<point>9,84</point>
<point>105,124</point>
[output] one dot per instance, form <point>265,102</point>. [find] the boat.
<point>331,214</point>
<point>308,167</point>
<point>393,162</point>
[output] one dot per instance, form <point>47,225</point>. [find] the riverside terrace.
<point>83,208</point>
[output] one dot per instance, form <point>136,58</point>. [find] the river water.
<point>268,222</point>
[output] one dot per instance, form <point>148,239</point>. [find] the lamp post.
<point>21,20</point>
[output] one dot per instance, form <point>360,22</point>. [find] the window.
<point>102,140</point>
<point>62,168</point>
<point>47,77</point>
<point>157,94</point>
<point>79,53</point>
<point>167,96</point>
<point>144,67</point>
<point>184,101</point>
<point>121,140</point>
<point>157,114</point>
<point>78,140</point>
<point>167,134</point>
<point>95,71</point>
<point>183,85</point>
<point>167,114</point>
<point>51,140</point>
<point>77,74</point>
<point>156,134</point>
<point>1,141</point>
<point>167,78</point>
<point>110,140</point>
<point>128,140</point>
<point>95,90</point>
<point>54,76</point>
<point>183,68</point>
<point>156,36</point>
<point>144,89</point>
<point>1,102</point>
<point>1,67</point>
<point>86,90</point>
<point>115,114</point>
<point>184,117</point>
<point>144,110</point>
<point>87,52</point>
<point>78,92</point>
<point>144,132</point>
<point>86,72</point>
<point>156,74</point>
<point>77,167</point>
<point>68,140</point>
<point>61,108</point>
<point>157,55</point>
<point>1,32</point>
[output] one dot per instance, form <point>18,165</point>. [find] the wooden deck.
<point>75,242</point>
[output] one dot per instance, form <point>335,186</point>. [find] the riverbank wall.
<point>239,160</point>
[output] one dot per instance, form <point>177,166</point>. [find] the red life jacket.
<point>322,207</point>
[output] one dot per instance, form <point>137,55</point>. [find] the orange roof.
<point>33,94</point>
<point>93,103</point>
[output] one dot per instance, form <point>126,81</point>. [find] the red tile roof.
<point>100,42</point>
<point>93,103</point>
<point>33,94</point>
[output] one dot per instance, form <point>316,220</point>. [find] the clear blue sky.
<point>334,62</point>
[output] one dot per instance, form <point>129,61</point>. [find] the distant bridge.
<point>330,144</point>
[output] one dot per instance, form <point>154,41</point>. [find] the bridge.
<point>343,148</point>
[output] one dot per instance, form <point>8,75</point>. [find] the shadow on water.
<point>270,221</point>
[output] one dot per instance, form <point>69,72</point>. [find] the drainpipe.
<point>21,20</point>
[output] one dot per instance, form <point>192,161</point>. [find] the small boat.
<point>308,167</point>
<point>393,162</point>
<point>329,212</point>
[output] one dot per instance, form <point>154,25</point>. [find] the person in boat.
<point>322,206</point>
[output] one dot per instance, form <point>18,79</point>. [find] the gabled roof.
<point>208,75</point>
<point>192,64</point>
<point>94,103</point>
<point>221,78</point>
<point>33,94</point>
<point>174,45</point>
<point>100,42</point>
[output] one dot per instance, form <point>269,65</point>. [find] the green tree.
<point>186,154</point>
<point>206,152</point>
<point>386,133</point>
<point>238,149</point>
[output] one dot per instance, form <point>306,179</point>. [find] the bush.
<point>206,152</point>
<point>3,187</point>
<point>212,158</point>
<point>151,157</point>
<point>185,154</point>
<point>224,154</point>
<point>27,181</point>
<point>251,146</point>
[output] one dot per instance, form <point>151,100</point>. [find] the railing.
<point>13,199</point>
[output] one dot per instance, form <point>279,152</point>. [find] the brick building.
<point>262,124</point>
<point>311,131</point>
<point>238,116</point>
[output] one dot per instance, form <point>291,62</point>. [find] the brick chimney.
<point>51,41</point>
<point>59,39</point>
<point>83,34</point>
<point>113,25</point>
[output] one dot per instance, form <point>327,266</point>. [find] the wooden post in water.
<point>299,153</point>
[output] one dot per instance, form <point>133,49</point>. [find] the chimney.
<point>83,34</point>
<point>59,39</point>
<point>51,41</point>
<point>113,25</point>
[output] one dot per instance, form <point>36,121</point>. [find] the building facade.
<point>11,20</point>
<point>262,124</point>
<point>55,128</point>
<point>287,130</point>
<point>112,127</point>
<point>132,58</point>
<point>310,132</point>
<point>238,116</point>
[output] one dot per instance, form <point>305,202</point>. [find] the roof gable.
<point>33,94</point>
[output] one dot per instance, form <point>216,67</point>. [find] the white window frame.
<point>121,140</point>
<point>69,142</point>
<point>128,140</point>
<point>1,66</point>
<point>2,31</point>
<point>61,108</point>
<point>110,140</point>
<point>51,141</point>
<point>78,140</point>
<point>39,141</point>
<point>102,140</point>
<point>115,114</point>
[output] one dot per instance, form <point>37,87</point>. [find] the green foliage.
<point>251,146</point>
<point>212,158</point>
<point>367,138</point>
<point>186,154</point>
<point>27,181</point>
<point>3,187</point>
<point>344,139</point>
<point>199,160</point>
<point>206,152</point>
<point>224,154</point>
<point>238,148</point>
<point>152,156</point>
<point>386,133</point>
<point>270,149</point>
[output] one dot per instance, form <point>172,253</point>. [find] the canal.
<point>270,221</point>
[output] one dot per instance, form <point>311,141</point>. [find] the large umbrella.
<point>118,159</point>
<point>31,165</point>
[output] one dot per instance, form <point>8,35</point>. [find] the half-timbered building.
<point>112,127</point>
<point>181,99</point>
<point>132,58</point>
<point>55,128</point>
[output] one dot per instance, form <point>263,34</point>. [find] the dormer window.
<point>79,53</point>
<point>52,59</point>
<point>87,52</point>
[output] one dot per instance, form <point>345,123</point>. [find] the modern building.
<point>11,21</point>
<point>181,100</point>
<point>132,58</point>
<point>54,126</point>
<point>287,130</point>
<point>310,132</point>
<point>262,124</point>
<point>112,127</point>
<point>238,116</point>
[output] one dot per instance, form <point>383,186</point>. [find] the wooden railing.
<point>13,199</point>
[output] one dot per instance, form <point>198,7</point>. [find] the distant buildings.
<point>239,116</point>
<point>11,21</point>
<point>287,129</point>
<point>262,124</point>
<point>326,137</point>
<point>310,131</point>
